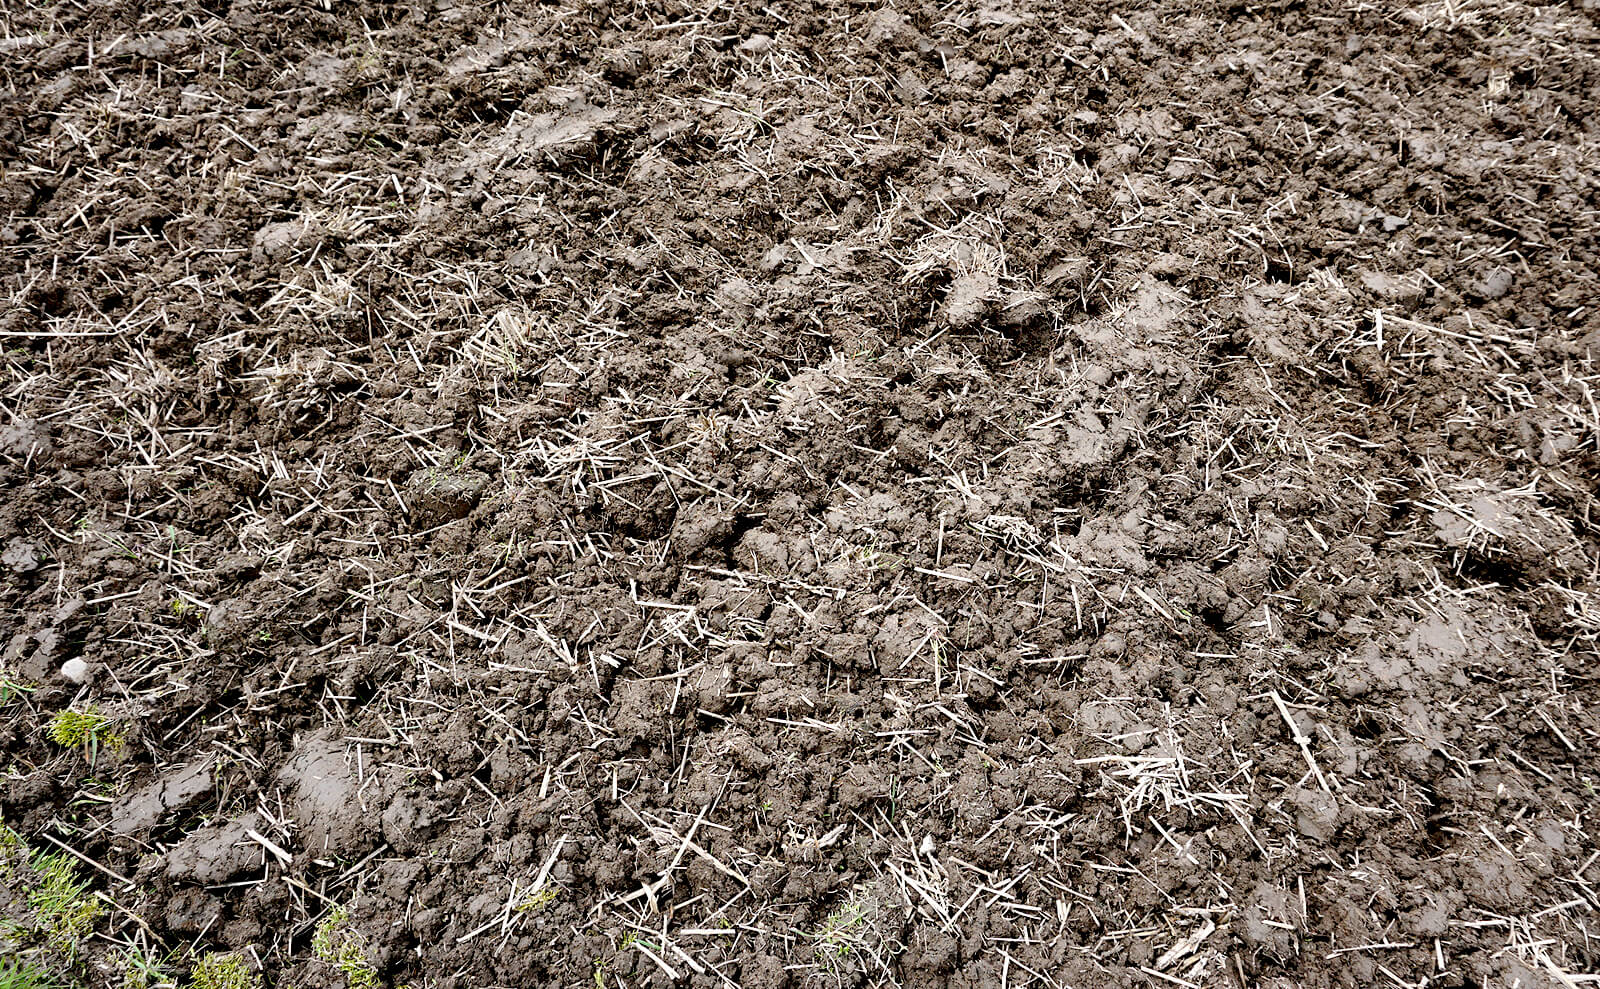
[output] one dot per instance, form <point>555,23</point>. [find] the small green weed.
<point>10,844</point>
<point>539,900</point>
<point>87,729</point>
<point>11,687</point>
<point>63,911</point>
<point>631,940</point>
<point>851,939</point>
<point>18,974</point>
<point>223,971</point>
<point>342,946</point>
<point>874,557</point>
<point>144,971</point>
<point>841,928</point>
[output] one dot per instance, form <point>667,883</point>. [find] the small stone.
<point>278,241</point>
<point>1393,288</point>
<point>1069,277</point>
<point>440,496</point>
<point>1272,538</point>
<point>75,670</point>
<point>1021,309</point>
<point>623,68</point>
<point>1316,813</point>
<point>21,556</point>
<point>1494,284</point>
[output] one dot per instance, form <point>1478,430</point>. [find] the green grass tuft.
<point>17,974</point>
<point>12,687</point>
<point>141,970</point>
<point>10,844</point>
<point>223,971</point>
<point>87,729</point>
<point>63,909</point>
<point>64,912</point>
<point>342,946</point>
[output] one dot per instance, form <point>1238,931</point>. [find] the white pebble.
<point>75,670</point>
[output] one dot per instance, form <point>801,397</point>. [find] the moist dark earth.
<point>808,494</point>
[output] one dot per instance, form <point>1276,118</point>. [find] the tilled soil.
<point>819,494</point>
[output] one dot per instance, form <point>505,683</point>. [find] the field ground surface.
<point>977,494</point>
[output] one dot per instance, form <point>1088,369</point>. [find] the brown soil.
<point>586,494</point>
